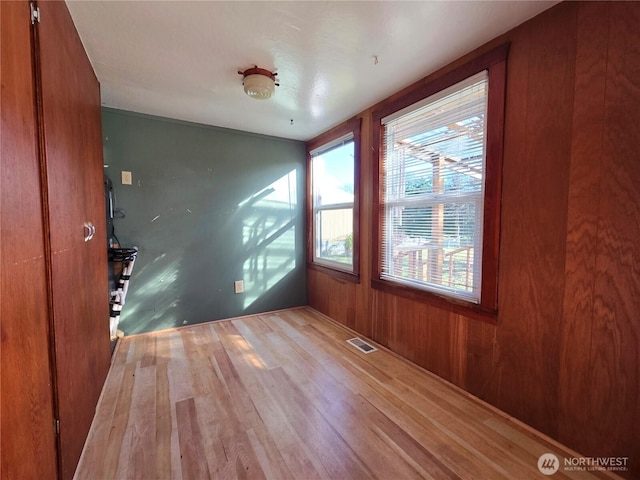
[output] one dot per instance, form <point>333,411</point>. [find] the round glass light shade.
<point>259,86</point>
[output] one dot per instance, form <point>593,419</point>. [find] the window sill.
<point>332,272</point>
<point>459,307</point>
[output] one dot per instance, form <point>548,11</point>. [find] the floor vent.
<point>362,345</point>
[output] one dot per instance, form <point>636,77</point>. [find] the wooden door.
<point>26,399</point>
<point>71,124</point>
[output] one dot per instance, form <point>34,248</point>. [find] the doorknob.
<point>90,231</point>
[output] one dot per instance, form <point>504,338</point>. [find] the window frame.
<point>349,127</point>
<point>495,62</point>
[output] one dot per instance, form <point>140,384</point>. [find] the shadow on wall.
<point>268,237</point>
<point>206,221</point>
<point>262,234</point>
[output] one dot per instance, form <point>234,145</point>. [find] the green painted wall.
<point>207,206</point>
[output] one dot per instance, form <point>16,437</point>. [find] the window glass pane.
<point>433,244</point>
<point>333,175</point>
<point>433,187</point>
<point>334,235</point>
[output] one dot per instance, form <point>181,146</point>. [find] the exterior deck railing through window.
<point>428,263</point>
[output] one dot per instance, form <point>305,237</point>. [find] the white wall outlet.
<point>238,286</point>
<point>126,178</point>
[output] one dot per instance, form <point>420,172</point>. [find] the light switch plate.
<point>126,178</point>
<point>238,286</point>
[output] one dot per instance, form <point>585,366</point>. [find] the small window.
<point>439,170</point>
<point>333,168</point>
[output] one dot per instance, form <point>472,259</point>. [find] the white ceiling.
<point>179,59</point>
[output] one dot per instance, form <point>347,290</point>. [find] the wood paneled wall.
<point>564,356</point>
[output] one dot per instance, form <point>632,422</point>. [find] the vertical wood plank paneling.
<point>437,353</point>
<point>401,327</point>
<point>481,361</point>
<point>383,314</point>
<point>510,287</point>
<point>458,349</point>
<point>530,327</point>
<point>615,354</point>
<point>363,318</point>
<point>582,217</point>
<point>313,289</point>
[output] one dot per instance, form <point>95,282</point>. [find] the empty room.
<point>319,240</point>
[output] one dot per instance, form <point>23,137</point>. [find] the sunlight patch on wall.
<point>154,281</point>
<point>268,236</point>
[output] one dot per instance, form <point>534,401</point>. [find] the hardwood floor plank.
<point>163,421</point>
<point>179,389</point>
<point>142,425</point>
<point>180,386</point>
<point>279,425</point>
<point>324,441</point>
<point>245,410</point>
<point>119,421</point>
<point>252,333</point>
<point>339,406</point>
<point>241,456</point>
<point>214,425</point>
<point>149,355</point>
<point>102,424</point>
<point>298,459</point>
<point>120,354</point>
<point>193,459</point>
<point>284,396</point>
<point>271,461</point>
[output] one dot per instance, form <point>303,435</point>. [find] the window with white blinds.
<point>433,166</point>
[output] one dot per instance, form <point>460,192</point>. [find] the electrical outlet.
<point>126,178</point>
<point>238,286</point>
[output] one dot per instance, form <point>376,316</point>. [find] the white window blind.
<point>433,166</point>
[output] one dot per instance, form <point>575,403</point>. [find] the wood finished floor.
<point>283,396</point>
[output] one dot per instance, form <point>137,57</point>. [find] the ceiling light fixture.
<point>259,83</point>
